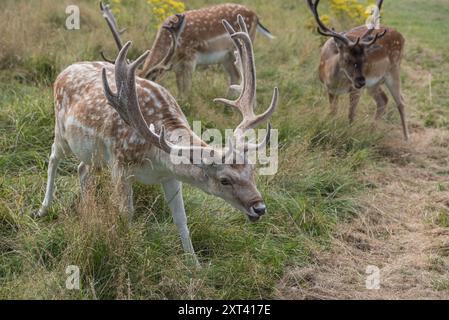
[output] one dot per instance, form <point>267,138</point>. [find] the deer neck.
<point>185,172</point>
<point>188,173</point>
<point>335,77</point>
<point>161,46</point>
<point>337,71</point>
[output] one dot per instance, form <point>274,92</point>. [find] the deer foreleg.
<point>381,101</point>
<point>184,75</point>
<point>124,191</point>
<point>233,73</point>
<point>354,98</point>
<point>333,101</point>
<point>84,176</point>
<point>173,196</point>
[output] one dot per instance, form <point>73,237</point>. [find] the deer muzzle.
<point>256,211</point>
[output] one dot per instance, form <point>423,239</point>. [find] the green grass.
<point>424,25</point>
<point>316,187</point>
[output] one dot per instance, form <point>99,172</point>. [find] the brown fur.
<point>380,65</point>
<point>201,27</point>
<point>95,113</point>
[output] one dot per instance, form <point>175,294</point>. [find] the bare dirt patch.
<point>400,230</point>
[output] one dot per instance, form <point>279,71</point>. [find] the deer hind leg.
<point>333,101</point>
<point>55,158</point>
<point>233,73</point>
<point>184,75</point>
<point>354,98</point>
<point>173,196</point>
<point>393,82</point>
<point>381,100</point>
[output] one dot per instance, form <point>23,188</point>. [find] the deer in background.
<point>202,41</point>
<point>102,128</point>
<point>357,59</point>
<point>173,27</point>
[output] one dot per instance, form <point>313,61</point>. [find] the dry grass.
<point>399,230</point>
<point>36,31</point>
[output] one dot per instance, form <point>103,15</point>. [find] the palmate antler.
<point>126,102</point>
<point>247,99</point>
<point>112,23</point>
<point>325,31</point>
<point>174,29</point>
<point>379,4</point>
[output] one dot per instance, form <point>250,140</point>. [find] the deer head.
<point>173,28</point>
<point>352,54</point>
<point>235,183</point>
<point>174,25</point>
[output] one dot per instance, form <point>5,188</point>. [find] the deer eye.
<point>225,182</point>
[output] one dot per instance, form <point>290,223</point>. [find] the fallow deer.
<point>103,128</point>
<point>173,28</point>
<point>356,59</point>
<point>203,41</point>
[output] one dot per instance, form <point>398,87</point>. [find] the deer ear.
<point>176,23</point>
<point>181,23</point>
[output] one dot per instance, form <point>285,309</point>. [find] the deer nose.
<point>259,209</point>
<point>360,81</point>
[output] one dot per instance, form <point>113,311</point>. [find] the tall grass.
<point>316,186</point>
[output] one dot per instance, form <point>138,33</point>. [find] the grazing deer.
<point>203,41</point>
<point>356,59</point>
<point>103,128</point>
<point>173,28</point>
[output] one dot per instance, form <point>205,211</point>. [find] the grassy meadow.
<point>317,186</point>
